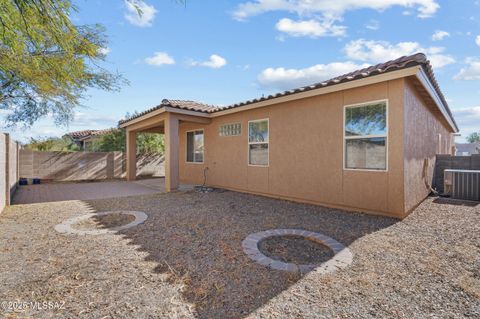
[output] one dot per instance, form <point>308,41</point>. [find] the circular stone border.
<point>66,226</point>
<point>342,258</point>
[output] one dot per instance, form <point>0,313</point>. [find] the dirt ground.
<point>186,261</point>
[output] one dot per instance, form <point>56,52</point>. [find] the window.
<point>230,129</point>
<point>258,142</point>
<point>195,146</point>
<point>365,135</point>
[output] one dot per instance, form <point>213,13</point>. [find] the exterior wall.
<point>306,153</point>
<point>8,169</point>
<point>74,166</point>
<point>3,177</point>
<point>422,143</point>
<point>13,166</point>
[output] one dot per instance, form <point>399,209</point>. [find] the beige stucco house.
<point>364,141</point>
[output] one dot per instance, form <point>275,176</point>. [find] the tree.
<point>115,140</point>
<point>473,137</point>
<point>46,62</point>
<point>110,142</point>
<point>149,143</point>
<point>46,144</point>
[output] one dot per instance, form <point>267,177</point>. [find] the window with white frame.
<point>195,147</point>
<point>258,142</point>
<point>365,135</point>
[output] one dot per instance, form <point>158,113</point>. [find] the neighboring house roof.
<point>404,62</point>
<point>470,148</point>
<point>80,134</point>
<point>104,131</point>
<point>85,134</point>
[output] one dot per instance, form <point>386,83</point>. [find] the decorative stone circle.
<point>342,258</point>
<point>66,227</point>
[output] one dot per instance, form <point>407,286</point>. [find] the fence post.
<point>7,169</point>
<point>18,161</point>
<point>109,165</point>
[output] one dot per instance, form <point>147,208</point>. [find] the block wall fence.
<point>81,166</point>
<point>9,169</point>
<point>444,162</point>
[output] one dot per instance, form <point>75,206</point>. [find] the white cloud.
<point>477,40</point>
<point>468,119</point>
<point>46,127</point>
<point>440,35</point>
<point>373,25</point>
<point>139,13</point>
<point>104,51</point>
<point>471,72</point>
<point>331,8</point>
<point>324,15</point>
<point>382,51</point>
<point>283,79</point>
<point>159,58</point>
<point>309,28</point>
<point>244,67</point>
<point>215,62</point>
<point>94,120</point>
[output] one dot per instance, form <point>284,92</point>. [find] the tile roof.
<point>178,104</point>
<point>394,65</point>
<point>104,131</point>
<point>78,135</point>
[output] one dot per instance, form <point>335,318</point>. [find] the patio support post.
<point>171,152</point>
<point>131,155</point>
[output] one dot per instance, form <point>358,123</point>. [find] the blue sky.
<point>222,52</point>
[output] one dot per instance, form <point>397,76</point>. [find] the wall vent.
<point>462,184</point>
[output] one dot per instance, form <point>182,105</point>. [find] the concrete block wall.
<point>444,162</point>
<point>8,169</point>
<point>3,175</point>
<point>77,166</point>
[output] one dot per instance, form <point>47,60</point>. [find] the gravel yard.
<point>186,261</point>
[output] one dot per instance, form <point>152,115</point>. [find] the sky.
<point>224,52</point>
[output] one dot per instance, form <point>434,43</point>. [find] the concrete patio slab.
<point>55,192</point>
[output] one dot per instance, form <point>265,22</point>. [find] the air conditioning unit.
<point>462,184</point>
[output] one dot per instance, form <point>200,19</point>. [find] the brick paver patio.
<point>54,192</point>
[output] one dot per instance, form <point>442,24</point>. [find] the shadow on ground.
<point>196,239</point>
<point>456,202</point>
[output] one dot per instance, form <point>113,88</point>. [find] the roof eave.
<point>161,110</point>
<point>416,70</point>
<point>427,84</point>
<point>382,77</point>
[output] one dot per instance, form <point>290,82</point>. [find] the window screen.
<point>195,146</point>
<point>366,136</point>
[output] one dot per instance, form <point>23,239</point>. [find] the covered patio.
<point>163,119</point>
